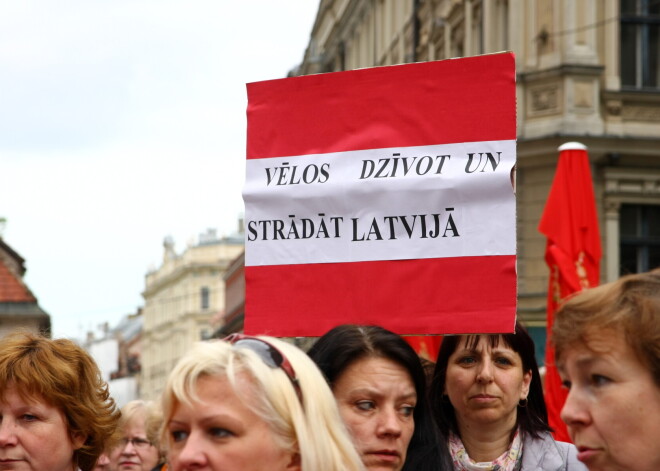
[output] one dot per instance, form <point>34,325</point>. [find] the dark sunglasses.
<point>270,355</point>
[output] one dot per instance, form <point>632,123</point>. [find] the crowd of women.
<point>360,399</point>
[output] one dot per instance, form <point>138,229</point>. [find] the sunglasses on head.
<point>270,355</point>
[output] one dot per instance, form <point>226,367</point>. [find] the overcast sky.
<point>123,122</point>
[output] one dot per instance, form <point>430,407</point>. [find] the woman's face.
<point>376,399</point>
<point>613,406</point>
<point>485,383</point>
<point>34,435</point>
<point>221,432</point>
<point>134,452</point>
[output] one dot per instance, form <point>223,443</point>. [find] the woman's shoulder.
<point>549,455</point>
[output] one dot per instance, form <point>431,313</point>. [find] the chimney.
<point>168,249</point>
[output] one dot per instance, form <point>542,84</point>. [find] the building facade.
<point>587,71</point>
<point>19,308</point>
<point>180,299</point>
<point>234,312</point>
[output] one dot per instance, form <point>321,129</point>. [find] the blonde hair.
<point>152,415</point>
<point>310,426</point>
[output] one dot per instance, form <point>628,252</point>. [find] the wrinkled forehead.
<point>594,342</point>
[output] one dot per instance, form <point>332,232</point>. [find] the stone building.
<point>234,311</point>
<point>19,308</point>
<point>587,71</point>
<point>180,298</point>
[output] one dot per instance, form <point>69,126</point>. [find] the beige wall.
<point>173,314</point>
<point>12,324</point>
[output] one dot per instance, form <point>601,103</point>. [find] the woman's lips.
<point>483,398</point>
<point>585,453</point>
<point>386,455</point>
<point>128,463</point>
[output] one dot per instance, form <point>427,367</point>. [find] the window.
<point>205,297</point>
<point>539,336</point>
<point>640,40</point>
<point>639,229</point>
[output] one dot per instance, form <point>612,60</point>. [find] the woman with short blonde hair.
<point>137,444</point>
<point>253,403</point>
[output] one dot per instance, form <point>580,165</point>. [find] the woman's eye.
<point>29,417</point>
<point>178,435</point>
<point>365,405</point>
<point>467,360</point>
<point>599,380</point>
<point>408,411</point>
<point>218,432</point>
<point>503,361</point>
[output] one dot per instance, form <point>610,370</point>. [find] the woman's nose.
<point>128,448</point>
<point>389,423</point>
<point>7,432</point>
<point>575,412</point>
<point>192,454</point>
<point>485,374</point>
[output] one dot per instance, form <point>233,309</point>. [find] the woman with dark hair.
<point>487,397</point>
<point>380,388</point>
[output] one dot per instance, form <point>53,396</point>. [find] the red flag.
<point>426,346</point>
<point>573,252</point>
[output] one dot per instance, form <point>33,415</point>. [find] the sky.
<point>121,123</point>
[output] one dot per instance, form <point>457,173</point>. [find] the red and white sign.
<point>383,196</point>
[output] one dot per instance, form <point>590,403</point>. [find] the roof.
<point>12,288</point>
<point>129,327</point>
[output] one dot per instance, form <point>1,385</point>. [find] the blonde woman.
<point>138,445</point>
<point>253,403</point>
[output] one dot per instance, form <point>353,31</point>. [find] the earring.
<point>523,403</point>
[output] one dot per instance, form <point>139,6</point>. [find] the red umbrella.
<point>573,252</point>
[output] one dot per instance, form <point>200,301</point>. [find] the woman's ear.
<point>78,439</point>
<point>294,465</point>
<point>527,381</point>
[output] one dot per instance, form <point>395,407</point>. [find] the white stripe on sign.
<point>452,200</point>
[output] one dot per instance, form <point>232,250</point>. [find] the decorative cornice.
<point>561,71</point>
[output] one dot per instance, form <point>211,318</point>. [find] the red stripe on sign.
<point>431,296</point>
<point>456,100</point>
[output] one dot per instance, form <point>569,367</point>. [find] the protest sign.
<point>383,196</point>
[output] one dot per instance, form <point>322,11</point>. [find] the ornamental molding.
<point>632,182</point>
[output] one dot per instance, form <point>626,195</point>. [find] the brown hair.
<point>63,375</point>
<point>630,305</point>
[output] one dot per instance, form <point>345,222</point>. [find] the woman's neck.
<point>485,443</point>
